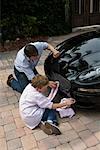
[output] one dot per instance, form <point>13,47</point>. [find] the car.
<point>78,68</point>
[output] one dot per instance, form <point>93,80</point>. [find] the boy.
<point>37,110</point>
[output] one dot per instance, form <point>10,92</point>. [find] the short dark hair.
<point>30,50</point>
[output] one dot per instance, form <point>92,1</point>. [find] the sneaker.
<point>45,128</point>
<point>53,127</point>
<point>55,123</point>
<point>10,77</point>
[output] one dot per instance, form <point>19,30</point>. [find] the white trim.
<point>80,7</point>
<point>99,6</point>
<point>91,6</point>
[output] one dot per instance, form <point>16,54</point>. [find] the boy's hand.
<point>52,84</point>
<point>68,101</point>
<point>71,100</point>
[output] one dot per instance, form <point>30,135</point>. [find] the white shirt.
<point>23,64</point>
<point>32,105</point>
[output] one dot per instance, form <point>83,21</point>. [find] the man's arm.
<point>54,51</point>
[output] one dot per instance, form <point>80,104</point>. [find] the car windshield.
<point>92,59</point>
<point>87,46</point>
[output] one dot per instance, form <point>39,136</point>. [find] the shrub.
<point>28,18</point>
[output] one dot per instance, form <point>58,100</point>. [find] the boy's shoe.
<point>55,123</point>
<point>53,127</point>
<point>10,77</point>
<point>45,128</point>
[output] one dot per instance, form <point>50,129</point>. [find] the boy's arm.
<point>59,105</point>
<point>67,103</point>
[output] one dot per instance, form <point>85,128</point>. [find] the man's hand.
<point>56,54</point>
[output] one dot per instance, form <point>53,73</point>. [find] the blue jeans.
<point>20,82</point>
<point>49,114</point>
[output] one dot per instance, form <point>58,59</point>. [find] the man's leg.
<point>18,84</point>
<point>22,80</point>
<point>15,85</point>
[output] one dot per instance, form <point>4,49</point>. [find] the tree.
<point>27,18</point>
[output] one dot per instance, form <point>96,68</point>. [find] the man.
<point>25,63</point>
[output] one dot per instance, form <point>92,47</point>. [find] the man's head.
<point>30,50</point>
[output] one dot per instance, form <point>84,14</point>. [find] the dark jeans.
<point>20,82</point>
<point>50,114</point>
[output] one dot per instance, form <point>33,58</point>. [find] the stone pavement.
<point>82,132</point>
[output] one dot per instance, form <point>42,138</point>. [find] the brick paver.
<point>78,144</point>
<point>88,138</point>
<point>79,133</point>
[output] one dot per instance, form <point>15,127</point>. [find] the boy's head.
<point>40,83</point>
<point>30,50</point>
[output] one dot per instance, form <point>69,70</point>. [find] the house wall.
<point>84,12</point>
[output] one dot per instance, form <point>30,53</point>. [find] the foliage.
<point>28,18</point>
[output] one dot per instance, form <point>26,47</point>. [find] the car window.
<point>86,47</point>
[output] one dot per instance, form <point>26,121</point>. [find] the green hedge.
<point>28,18</point>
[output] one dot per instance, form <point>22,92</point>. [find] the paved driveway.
<point>79,133</point>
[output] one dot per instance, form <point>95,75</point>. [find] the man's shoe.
<point>45,128</point>
<point>10,77</point>
<point>53,127</point>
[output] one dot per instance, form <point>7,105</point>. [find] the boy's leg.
<point>45,115</point>
<point>45,128</point>
<point>42,123</point>
<point>48,126</point>
<point>55,130</point>
<point>52,122</point>
<point>50,115</point>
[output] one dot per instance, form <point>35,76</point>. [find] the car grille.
<point>89,90</point>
